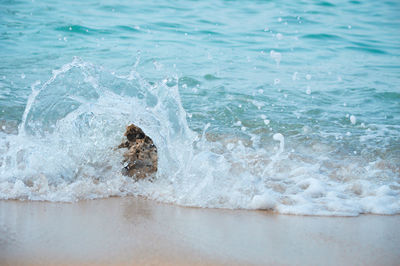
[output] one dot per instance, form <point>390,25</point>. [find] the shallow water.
<point>289,106</point>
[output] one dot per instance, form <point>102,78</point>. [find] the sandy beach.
<point>138,231</point>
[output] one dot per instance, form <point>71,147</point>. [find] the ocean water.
<point>291,106</point>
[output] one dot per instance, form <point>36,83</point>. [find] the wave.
<point>64,150</point>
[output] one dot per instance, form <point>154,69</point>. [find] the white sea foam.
<point>66,152</point>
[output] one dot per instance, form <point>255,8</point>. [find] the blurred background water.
<point>320,77</point>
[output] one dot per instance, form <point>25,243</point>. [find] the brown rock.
<point>141,157</point>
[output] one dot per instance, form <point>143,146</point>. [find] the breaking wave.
<point>65,150</point>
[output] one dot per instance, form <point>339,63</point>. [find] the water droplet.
<point>353,119</point>
<point>279,137</point>
<point>276,56</point>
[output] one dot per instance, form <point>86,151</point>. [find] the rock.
<point>141,158</point>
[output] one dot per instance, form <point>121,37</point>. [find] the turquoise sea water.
<point>286,105</point>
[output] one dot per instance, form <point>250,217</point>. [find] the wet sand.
<point>137,231</point>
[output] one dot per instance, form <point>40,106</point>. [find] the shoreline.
<point>133,230</point>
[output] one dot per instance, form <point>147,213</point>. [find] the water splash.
<point>64,153</point>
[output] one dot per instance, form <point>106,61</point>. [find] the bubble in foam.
<point>262,202</point>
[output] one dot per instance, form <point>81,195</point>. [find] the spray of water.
<point>65,151</point>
